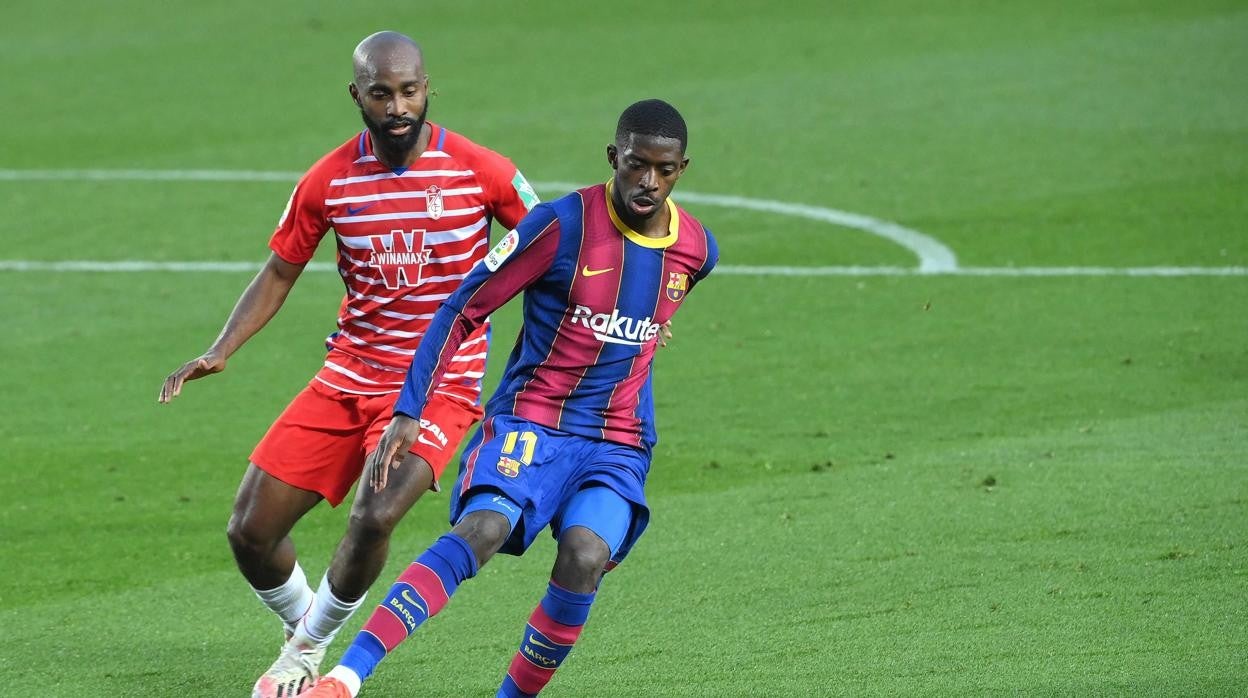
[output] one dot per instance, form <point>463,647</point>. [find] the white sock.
<point>347,677</point>
<point>327,615</point>
<point>291,600</point>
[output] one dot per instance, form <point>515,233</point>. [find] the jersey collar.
<point>673,225</point>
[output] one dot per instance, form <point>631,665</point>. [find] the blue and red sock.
<point>418,594</point>
<point>552,630</point>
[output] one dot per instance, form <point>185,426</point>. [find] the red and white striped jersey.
<point>406,238</point>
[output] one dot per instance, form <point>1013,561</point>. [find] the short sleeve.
<point>303,223</point>
<point>510,195</point>
<point>712,256</point>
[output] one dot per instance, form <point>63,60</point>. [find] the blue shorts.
<point>541,469</point>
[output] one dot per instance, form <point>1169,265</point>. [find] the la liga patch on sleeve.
<point>502,250</point>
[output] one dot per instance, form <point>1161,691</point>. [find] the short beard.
<point>395,147</point>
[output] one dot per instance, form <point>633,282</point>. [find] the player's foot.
<point>327,687</point>
<point>295,670</point>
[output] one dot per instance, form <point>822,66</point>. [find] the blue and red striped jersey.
<point>595,295</point>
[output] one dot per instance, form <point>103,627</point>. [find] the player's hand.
<point>398,437</point>
<point>205,365</point>
<point>665,333</point>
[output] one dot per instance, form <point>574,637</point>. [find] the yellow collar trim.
<point>673,225</point>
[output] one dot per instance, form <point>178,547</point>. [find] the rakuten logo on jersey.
<point>616,328</point>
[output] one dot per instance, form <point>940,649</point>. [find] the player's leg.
<point>423,589</point>
<point>311,452</point>
<point>265,510</point>
<point>363,550</point>
<point>374,515</point>
<point>593,527</point>
<point>496,502</point>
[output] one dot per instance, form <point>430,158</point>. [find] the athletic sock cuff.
<point>333,599</point>
<point>566,607</point>
<point>289,588</point>
<point>457,554</point>
<point>290,600</point>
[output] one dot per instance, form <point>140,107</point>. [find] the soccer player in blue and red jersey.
<point>567,437</point>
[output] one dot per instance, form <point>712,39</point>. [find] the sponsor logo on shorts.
<point>503,502</point>
<point>433,430</point>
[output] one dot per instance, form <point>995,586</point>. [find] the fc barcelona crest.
<point>677,284</point>
<point>508,466</point>
<point>433,201</point>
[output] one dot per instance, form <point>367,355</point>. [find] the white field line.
<point>934,257</point>
<point>932,254</point>
<point>84,265</point>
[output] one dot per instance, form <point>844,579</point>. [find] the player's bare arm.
<point>398,437</point>
<point>255,307</point>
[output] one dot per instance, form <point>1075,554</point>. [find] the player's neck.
<point>402,159</point>
<point>655,226</point>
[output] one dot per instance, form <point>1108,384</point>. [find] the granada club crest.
<point>399,257</point>
<point>433,202</point>
<point>677,284</point>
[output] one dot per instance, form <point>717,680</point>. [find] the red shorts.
<point>321,439</point>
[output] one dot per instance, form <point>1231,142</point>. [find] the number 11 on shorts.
<point>528,443</point>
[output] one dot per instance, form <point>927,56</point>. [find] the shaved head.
<point>386,50</point>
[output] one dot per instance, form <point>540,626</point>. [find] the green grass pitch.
<point>975,483</point>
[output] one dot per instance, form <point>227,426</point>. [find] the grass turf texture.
<point>1031,486</point>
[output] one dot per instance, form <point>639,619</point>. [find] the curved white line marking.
<point>934,256</point>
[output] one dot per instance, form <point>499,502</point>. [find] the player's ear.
<point>611,154</point>
<point>355,94</point>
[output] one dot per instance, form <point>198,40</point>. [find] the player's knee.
<point>371,525</point>
<point>484,531</point>
<point>582,554</point>
<point>247,539</point>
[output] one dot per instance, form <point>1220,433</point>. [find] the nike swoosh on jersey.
<point>586,271</point>
<point>357,210</point>
<point>427,442</point>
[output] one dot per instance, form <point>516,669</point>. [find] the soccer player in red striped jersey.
<point>567,437</point>
<point>410,204</point>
